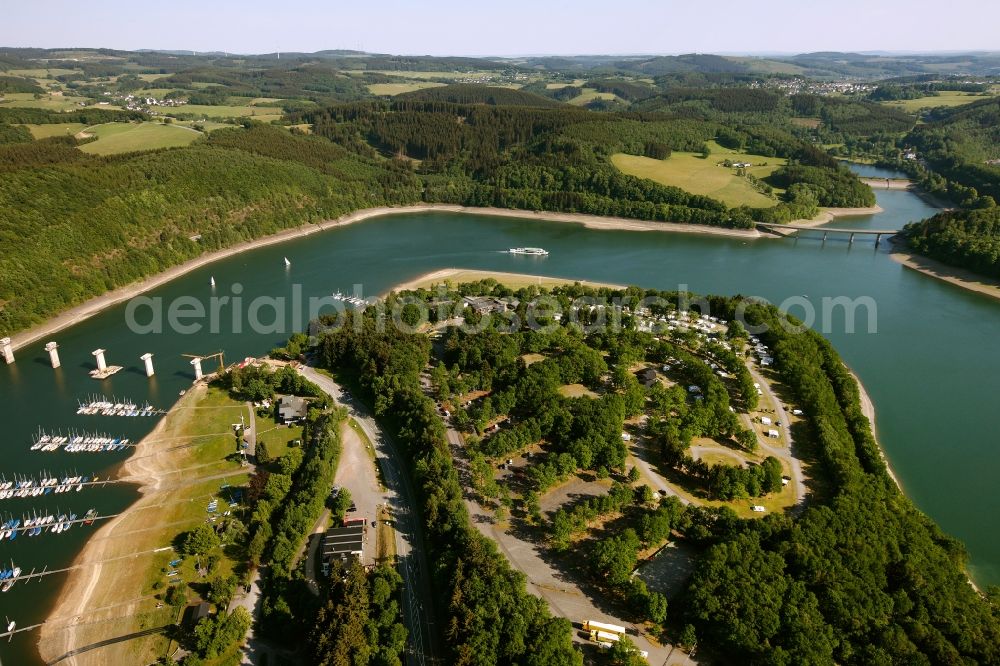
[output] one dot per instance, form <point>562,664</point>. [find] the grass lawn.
<point>266,114</point>
<point>206,125</point>
<point>947,98</point>
<point>115,138</point>
<point>49,102</point>
<point>811,123</point>
<point>589,95</point>
<point>576,391</point>
<point>55,129</point>
<point>278,438</point>
<point>693,173</point>
<point>41,73</point>
<point>399,88</point>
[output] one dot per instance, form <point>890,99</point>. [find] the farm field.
<point>399,88</point>
<point>55,129</point>
<point>263,114</point>
<point>693,173</point>
<point>560,86</point>
<point>935,101</point>
<point>50,102</point>
<point>41,73</point>
<point>589,95</point>
<point>115,138</point>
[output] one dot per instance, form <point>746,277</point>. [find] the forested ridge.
<point>76,225</point>
<point>967,239</point>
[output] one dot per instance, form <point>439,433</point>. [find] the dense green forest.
<point>107,221</point>
<point>956,145</point>
<point>964,238</point>
<point>859,577</point>
<point>487,616</point>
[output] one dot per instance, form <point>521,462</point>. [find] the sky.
<point>512,27</point>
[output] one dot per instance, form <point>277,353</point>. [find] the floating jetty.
<point>353,300</point>
<point>50,523</point>
<point>9,576</point>
<point>44,485</point>
<point>79,443</point>
<point>103,406</point>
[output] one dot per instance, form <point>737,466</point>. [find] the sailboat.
<point>287,263</point>
<point>211,280</point>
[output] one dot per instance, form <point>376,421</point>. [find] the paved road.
<point>418,613</point>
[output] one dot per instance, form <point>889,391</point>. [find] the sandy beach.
<point>514,280</point>
<point>95,305</point>
<point>956,276</point>
<point>827,215</point>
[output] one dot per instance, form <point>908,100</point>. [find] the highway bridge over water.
<point>786,229</point>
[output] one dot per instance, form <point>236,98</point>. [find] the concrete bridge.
<point>787,229</point>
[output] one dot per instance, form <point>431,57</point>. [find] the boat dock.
<point>46,485</point>
<point>51,523</point>
<point>80,443</point>
<point>103,406</point>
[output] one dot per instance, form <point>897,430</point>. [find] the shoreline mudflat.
<point>957,276</point>
<point>93,306</point>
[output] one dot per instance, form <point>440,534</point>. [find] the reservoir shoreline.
<point>957,276</point>
<point>97,304</point>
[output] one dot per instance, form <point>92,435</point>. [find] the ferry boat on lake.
<point>534,251</point>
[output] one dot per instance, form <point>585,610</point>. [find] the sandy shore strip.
<point>513,280</point>
<point>827,215</point>
<point>97,304</point>
<point>868,409</point>
<point>951,274</point>
<point>76,600</point>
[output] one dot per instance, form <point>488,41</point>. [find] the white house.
<point>765,420</point>
<point>773,434</point>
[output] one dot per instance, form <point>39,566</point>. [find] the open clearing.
<point>49,102</point>
<point>264,114</point>
<point>115,138</point>
<point>55,129</point>
<point>589,95</point>
<point>693,173</point>
<point>947,98</point>
<point>400,88</point>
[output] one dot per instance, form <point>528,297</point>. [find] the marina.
<point>79,443</point>
<point>102,406</point>
<point>353,300</point>
<point>27,487</point>
<point>40,523</point>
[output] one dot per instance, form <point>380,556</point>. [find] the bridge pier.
<point>824,236</point>
<point>878,239</point>
<point>851,240</point>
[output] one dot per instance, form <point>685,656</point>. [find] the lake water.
<point>931,367</point>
